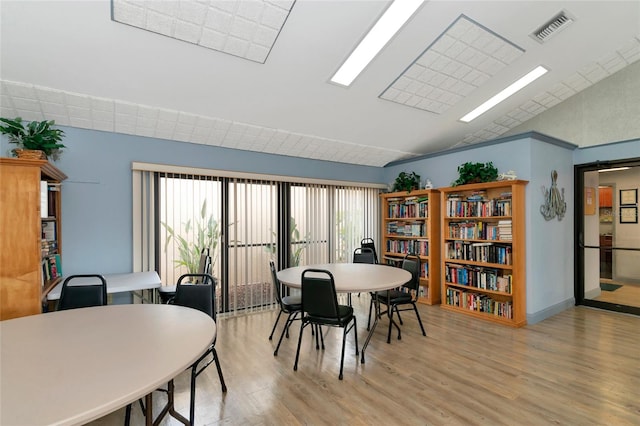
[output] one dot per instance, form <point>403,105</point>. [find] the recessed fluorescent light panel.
<point>512,89</point>
<point>387,26</point>
<point>615,169</point>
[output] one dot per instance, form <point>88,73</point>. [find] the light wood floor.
<point>628,294</point>
<point>580,367</point>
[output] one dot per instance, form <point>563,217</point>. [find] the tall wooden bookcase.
<point>410,225</point>
<point>30,242</point>
<point>483,251</point>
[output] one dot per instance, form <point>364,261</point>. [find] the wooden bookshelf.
<point>27,186</point>
<point>483,251</point>
<point>410,225</point>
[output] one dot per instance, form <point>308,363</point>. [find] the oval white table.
<point>353,278</point>
<point>71,367</point>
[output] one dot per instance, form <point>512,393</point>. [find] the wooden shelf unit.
<point>483,251</point>
<point>23,250</point>
<point>411,224</point>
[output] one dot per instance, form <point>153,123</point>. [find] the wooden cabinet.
<point>605,196</point>
<point>27,255</point>
<point>410,225</point>
<point>483,251</point>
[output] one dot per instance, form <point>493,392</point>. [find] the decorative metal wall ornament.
<point>554,200</point>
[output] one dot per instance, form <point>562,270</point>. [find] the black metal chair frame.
<point>202,280</point>
<point>405,295</point>
<point>98,292</point>
<point>208,306</point>
<point>290,305</point>
<point>320,305</point>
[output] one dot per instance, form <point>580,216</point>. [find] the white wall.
<point>605,112</point>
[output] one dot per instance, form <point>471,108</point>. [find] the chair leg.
<point>355,333</point>
<point>192,400</point>
<point>344,339</point>
<point>321,336</point>
<point>290,319</point>
<point>399,318</point>
<point>127,415</point>
<point>370,310</point>
<point>415,308</point>
<point>295,364</point>
<point>275,324</point>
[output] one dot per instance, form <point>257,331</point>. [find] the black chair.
<point>199,296</point>
<point>83,295</point>
<point>365,255</point>
<point>405,295</point>
<point>320,305</point>
<point>370,244</point>
<point>290,305</point>
<point>204,267</point>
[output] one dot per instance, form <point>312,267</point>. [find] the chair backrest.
<point>369,243</point>
<point>411,263</point>
<point>204,265</point>
<point>319,298</point>
<point>276,281</point>
<point>83,295</point>
<point>200,296</point>
<point>364,255</point>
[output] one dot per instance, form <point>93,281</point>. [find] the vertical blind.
<point>245,223</point>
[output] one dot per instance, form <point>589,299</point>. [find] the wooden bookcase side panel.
<point>21,288</point>
<point>430,235</point>
<point>464,294</point>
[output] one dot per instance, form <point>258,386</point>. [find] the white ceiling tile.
<point>219,20</point>
<point>187,31</point>
<point>146,122</point>
<point>104,126</point>
<point>52,96</point>
<point>126,120</point>
<point>147,112</point>
<point>29,115</point>
<point>26,104</point>
<point>192,12</point>
<point>184,128</point>
<point>130,12</point>
<point>123,127</point>
<point>165,127</point>
<point>236,46</point>
<point>257,53</point>
<point>102,104</point>
<point>250,10</point>
<point>83,123</point>
<point>264,36</point>
<point>186,118</point>
<point>164,7</point>
<point>20,90</point>
<point>160,23</point>
<point>126,108</point>
<point>242,29</point>
<point>81,113</point>
<point>167,115</point>
<point>273,16</point>
<point>53,108</point>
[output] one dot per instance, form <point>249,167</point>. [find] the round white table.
<point>353,278</point>
<point>74,366</point>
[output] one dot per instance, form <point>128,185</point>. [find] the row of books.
<point>408,207</point>
<point>481,208</point>
<point>478,230</point>
<point>483,278</point>
<point>478,252</point>
<point>479,303</point>
<point>420,247</point>
<point>47,248</point>
<point>51,268</point>
<point>411,229</point>
<point>49,231</point>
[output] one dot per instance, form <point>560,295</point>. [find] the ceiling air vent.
<point>554,26</point>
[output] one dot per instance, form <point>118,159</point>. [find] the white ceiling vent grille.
<point>559,22</point>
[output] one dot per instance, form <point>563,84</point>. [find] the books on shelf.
<point>49,230</point>
<point>420,247</point>
<point>51,267</point>
<point>478,302</point>
<point>408,229</point>
<point>478,252</point>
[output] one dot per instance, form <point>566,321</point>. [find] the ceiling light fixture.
<point>387,26</point>
<point>615,169</point>
<point>513,88</point>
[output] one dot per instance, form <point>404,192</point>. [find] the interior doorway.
<point>608,235</point>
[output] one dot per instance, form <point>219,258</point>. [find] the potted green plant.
<point>406,182</point>
<point>35,136</point>
<point>476,173</point>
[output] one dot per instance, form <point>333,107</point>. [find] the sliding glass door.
<point>608,247</point>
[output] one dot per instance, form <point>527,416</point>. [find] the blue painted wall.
<point>97,197</point>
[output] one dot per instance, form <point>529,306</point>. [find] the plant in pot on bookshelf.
<point>476,173</point>
<point>406,182</point>
<point>38,139</point>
